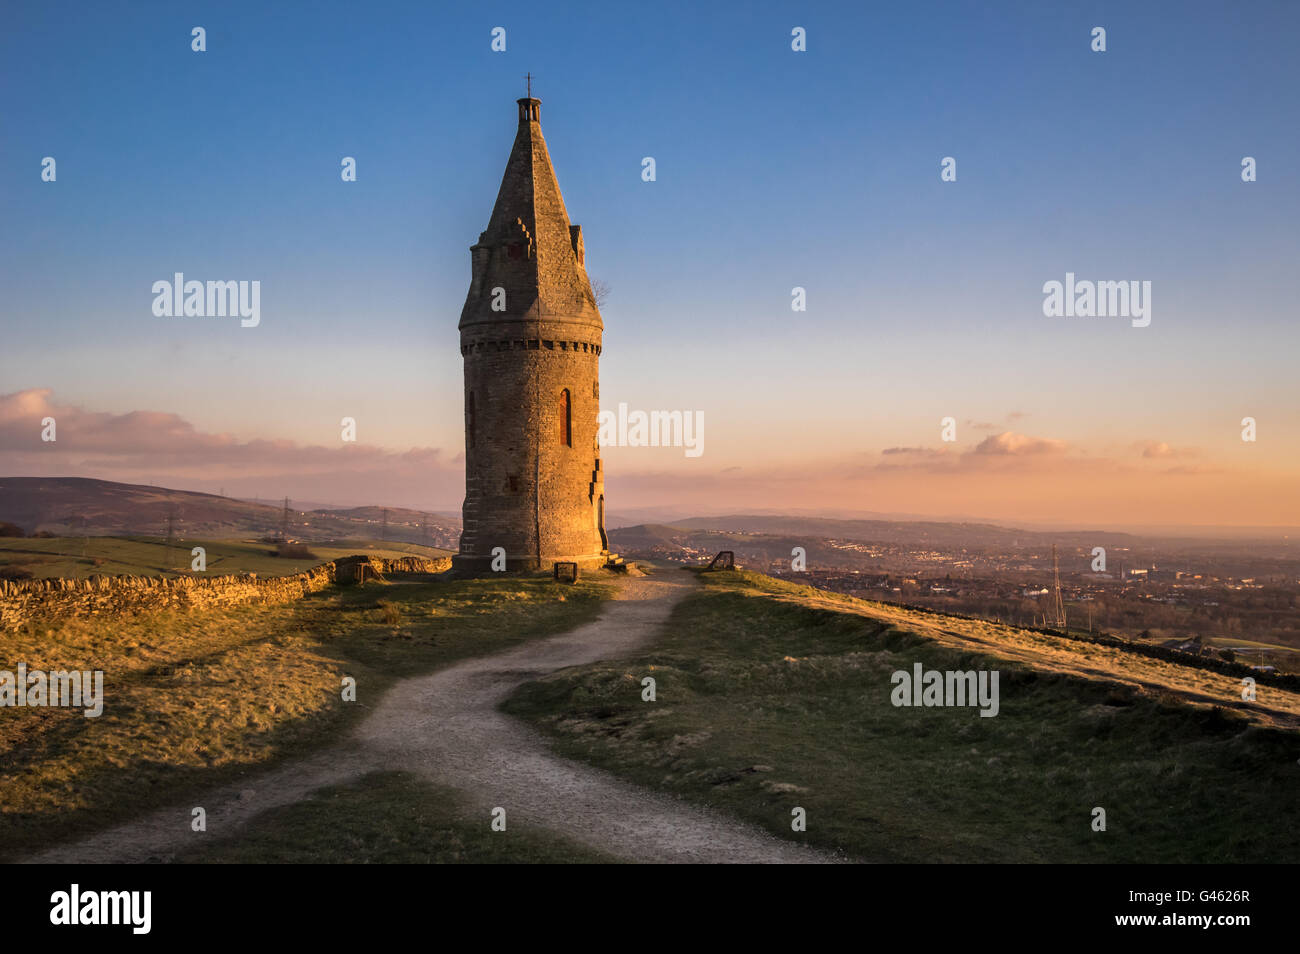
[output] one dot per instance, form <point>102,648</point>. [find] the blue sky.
<point>775,169</point>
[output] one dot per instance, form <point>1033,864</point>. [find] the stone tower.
<point>530,334</point>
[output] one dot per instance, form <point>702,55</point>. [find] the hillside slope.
<point>74,506</point>
<point>772,697</point>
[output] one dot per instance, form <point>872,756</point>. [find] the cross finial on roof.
<point>529,78</point>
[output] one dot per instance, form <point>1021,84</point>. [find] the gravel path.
<point>446,727</point>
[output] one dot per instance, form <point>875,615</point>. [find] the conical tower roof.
<point>529,248</point>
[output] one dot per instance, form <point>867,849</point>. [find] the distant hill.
<point>908,532</point>
<point>766,537</point>
<point>649,535</point>
<point>73,506</point>
<point>855,545</point>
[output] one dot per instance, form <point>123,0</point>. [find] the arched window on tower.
<point>566,419</point>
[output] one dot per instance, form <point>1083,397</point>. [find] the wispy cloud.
<point>1007,476</point>
<point>149,446</point>
<point>1161,449</point>
<point>915,451</point>
<point>1011,444</point>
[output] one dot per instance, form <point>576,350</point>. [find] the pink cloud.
<point>151,446</point>
<point>1161,449</point>
<point>1011,444</point>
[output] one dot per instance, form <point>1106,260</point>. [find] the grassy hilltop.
<point>197,699</point>
<point>772,696</point>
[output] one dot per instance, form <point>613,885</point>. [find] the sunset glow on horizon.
<point>924,298</point>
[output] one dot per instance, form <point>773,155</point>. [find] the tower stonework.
<point>530,336</point>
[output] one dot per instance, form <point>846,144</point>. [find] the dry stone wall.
<point>29,600</point>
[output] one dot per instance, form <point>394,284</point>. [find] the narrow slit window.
<point>566,419</point>
<point>469,414</point>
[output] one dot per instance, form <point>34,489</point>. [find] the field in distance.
<point>82,557</point>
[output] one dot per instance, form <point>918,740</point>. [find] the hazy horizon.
<point>637,516</point>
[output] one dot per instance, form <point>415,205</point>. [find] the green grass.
<point>771,696</point>
<point>384,818</point>
<point>201,698</point>
<point>78,558</point>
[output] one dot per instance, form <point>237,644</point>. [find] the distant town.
<point>1234,600</point>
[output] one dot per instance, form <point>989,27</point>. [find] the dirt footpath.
<point>446,726</point>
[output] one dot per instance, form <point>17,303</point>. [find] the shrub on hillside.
<point>294,551</point>
<point>15,573</point>
<point>392,614</point>
<point>10,530</point>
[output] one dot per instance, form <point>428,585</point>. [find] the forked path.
<point>446,727</point>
